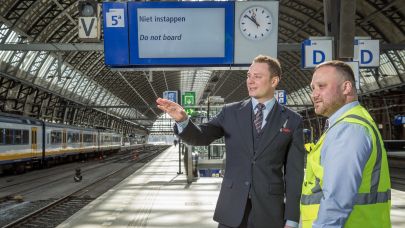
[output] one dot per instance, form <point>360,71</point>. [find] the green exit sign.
<point>188,98</point>
<point>190,111</point>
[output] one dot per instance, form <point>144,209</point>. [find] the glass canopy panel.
<point>367,80</point>
<point>101,96</point>
<point>29,58</point>
<point>94,93</point>
<point>401,58</point>
<point>82,86</point>
<point>387,72</point>
<point>5,55</point>
<point>45,66</point>
<point>3,32</point>
<point>87,92</point>
<point>72,85</point>
<point>194,80</point>
<point>15,61</point>
<point>300,97</point>
<point>38,60</point>
<point>163,124</point>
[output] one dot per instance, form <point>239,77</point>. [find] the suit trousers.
<point>247,217</point>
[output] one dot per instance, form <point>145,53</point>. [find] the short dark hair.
<point>343,68</point>
<point>273,64</point>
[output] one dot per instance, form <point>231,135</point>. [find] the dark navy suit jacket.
<point>274,173</point>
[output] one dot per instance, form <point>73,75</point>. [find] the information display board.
<point>174,33</point>
<point>188,34</point>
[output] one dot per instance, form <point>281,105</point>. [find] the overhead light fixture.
<point>87,8</point>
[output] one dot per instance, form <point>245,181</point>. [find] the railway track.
<point>26,186</point>
<point>58,211</point>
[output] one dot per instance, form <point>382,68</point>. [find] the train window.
<point>76,137</point>
<point>69,137</point>
<point>56,137</point>
<point>107,138</point>
<point>87,138</point>
<point>14,136</point>
<point>73,137</point>
<point>9,136</point>
<point>17,136</point>
<point>1,136</point>
<point>25,137</point>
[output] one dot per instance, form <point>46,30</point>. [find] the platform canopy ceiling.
<point>84,79</point>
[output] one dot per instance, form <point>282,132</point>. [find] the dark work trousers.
<point>247,217</point>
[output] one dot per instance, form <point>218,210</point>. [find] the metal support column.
<point>347,28</point>
<point>179,143</point>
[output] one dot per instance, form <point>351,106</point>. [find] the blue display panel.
<point>116,38</point>
<point>170,34</point>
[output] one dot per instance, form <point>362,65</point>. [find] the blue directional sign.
<point>171,95</point>
<point>315,51</point>
<point>367,52</point>
<point>281,96</point>
<point>116,43</point>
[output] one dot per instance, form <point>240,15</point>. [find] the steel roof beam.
<point>53,47</point>
<point>100,47</point>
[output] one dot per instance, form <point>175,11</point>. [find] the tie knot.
<point>260,106</point>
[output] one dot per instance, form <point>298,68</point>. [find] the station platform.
<point>156,196</point>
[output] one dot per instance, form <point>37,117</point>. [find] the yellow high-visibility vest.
<point>373,201</point>
<point>309,146</point>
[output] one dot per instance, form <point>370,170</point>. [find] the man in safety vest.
<point>346,183</point>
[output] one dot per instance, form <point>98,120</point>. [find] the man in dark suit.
<point>264,152</point>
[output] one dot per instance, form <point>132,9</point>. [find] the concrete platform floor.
<point>156,196</point>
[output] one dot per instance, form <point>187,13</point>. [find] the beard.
<point>327,108</point>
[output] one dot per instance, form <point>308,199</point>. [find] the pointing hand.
<point>173,109</point>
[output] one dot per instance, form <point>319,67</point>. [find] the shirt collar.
<point>332,119</point>
<point>269,103</point>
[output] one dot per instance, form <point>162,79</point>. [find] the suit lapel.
<point>244,117</point>
<point>275,121</point>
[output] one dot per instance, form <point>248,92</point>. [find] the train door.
<point>81,139</point>
<point>34,139</point>
<point>64,137</point>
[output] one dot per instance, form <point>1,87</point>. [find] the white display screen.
<point>181,32</point>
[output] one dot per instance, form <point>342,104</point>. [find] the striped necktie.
<point>326,127</point>
<point>259,117</point>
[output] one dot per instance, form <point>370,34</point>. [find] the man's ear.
<point>347,87</point>
<point>275,80</point>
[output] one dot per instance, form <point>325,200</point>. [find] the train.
<point>27,142</point>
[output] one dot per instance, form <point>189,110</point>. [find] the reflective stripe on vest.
<point>361,198</point>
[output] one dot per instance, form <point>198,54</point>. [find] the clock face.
<point>256,23</point>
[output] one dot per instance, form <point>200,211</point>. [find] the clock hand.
<point>253,20</point>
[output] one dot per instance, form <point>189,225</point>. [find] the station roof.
<point>43,33</point>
